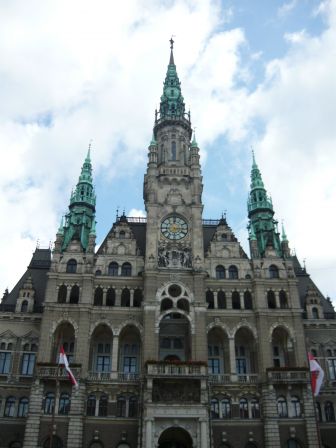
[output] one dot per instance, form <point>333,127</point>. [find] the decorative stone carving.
<point>174,256</point>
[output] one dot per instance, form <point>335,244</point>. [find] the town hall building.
<point>178,338</point>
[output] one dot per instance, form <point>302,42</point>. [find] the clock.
<point>174,228</point>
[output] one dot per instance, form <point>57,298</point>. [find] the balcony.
<point>226,378</point>
<point>54,371</point>
<point>176,369</point>
<point>288,375</point>
<point>223,378</point>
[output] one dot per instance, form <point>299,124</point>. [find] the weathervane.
<point>172,42</point>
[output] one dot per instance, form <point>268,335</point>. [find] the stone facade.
<point>176,337</point>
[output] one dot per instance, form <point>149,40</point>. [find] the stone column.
<point>75,428</point>
<point>277,299</point>
<point>204,435</point>
<point>149,433</point>
<point>215,300</point>
<point>115,355</point>
<point>131,298</point>
<point>117,297</point>
<point>232,359</point>
<point>32,428</point>
<point>104,296</point>
<point>242,304</point>
<point>67,300</point>
<point>228,301</point>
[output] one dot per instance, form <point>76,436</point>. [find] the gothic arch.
<point>189,295</point>
<point>245,324</point>
<point>190,431</point>
<point>62,320</point>
<point>175,311</point>
<point>129,323</point>
<point>220,325</point>
<point>283,325</point>
<point>98,322</point>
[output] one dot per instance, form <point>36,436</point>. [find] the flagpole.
<point>314,404</point>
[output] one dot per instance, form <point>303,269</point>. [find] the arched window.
<point>125,297</point>
<point>220,272</point>
<point>183,305</point>
<point>271,303</point>
<point>235,300</point>
<point>98,297</point>
<point>102,408</point>
<point>121,406</point>
<point>243,408</point>
<point>296,407</point>
<point>329,411</point>
<point>133,407</point>
<point>233,272</point>
<point>98,272</point>
<point>209,297</point>
<point>126,270</point>
<point>214,407</point>
<point>282,407</point>
<point>173,151</point>
<point>9,407</point>
<point>49,403</point>
<point>255,408</point>
<point>110,297</point>
<point>71,267</point>
<point>122,235</point>
<point>74,294</point>
<point>166,304</point>
<point>62,294</point>
<point>221,300</point>
<point>64,404</point>
<point>113,269</point>
<point>24,306</point>
<point>91,406</point>
<point>226,408</point>
<point>315,313</point>
<point>138,297</point>
<point>283,299</point>
<point>273,271</point>
<point>247,300</point>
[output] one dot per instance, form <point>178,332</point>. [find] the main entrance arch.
<point>175,438</point>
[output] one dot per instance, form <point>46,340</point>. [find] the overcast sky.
<point>255,74</point>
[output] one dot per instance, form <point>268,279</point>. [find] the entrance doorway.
<point>175,438</point>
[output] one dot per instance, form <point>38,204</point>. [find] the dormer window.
<point>122,235</point>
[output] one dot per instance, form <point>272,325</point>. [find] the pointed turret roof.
<point>172,106</point>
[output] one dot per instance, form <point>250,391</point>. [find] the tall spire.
<point>79,222</point>
<point>262,225</point>
<point>172,106</point>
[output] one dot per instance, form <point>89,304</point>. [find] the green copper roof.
<point>80,221</point>
<point>262,225</point>
<point>194,143</point>
<point>153,141</point>
<point>172,102</point>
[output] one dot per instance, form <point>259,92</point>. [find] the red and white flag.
<point>317,374</point>
<point>64,361</point>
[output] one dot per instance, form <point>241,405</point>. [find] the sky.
<point>255,74</point>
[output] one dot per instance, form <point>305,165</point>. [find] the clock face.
<point>174,228</point>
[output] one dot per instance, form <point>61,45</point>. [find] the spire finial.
<point>171,60</point>
<point>89,149</point>
<point>253,157</point>
<point>194,142</point>
<point>283,233</point>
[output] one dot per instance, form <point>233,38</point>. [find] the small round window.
<point>174,290</point>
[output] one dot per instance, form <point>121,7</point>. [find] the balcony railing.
<point>113,376</point>
<point>178,369</point>
<point>55,371</point>
<point>299,375</point>
<point>248,378</point>
<point>223,378</point>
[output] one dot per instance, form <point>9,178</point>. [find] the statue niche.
<point>174,256</point>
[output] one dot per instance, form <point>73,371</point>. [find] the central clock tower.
<point>173,185</point>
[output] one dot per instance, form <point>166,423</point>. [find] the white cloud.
<point>286,8</point>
